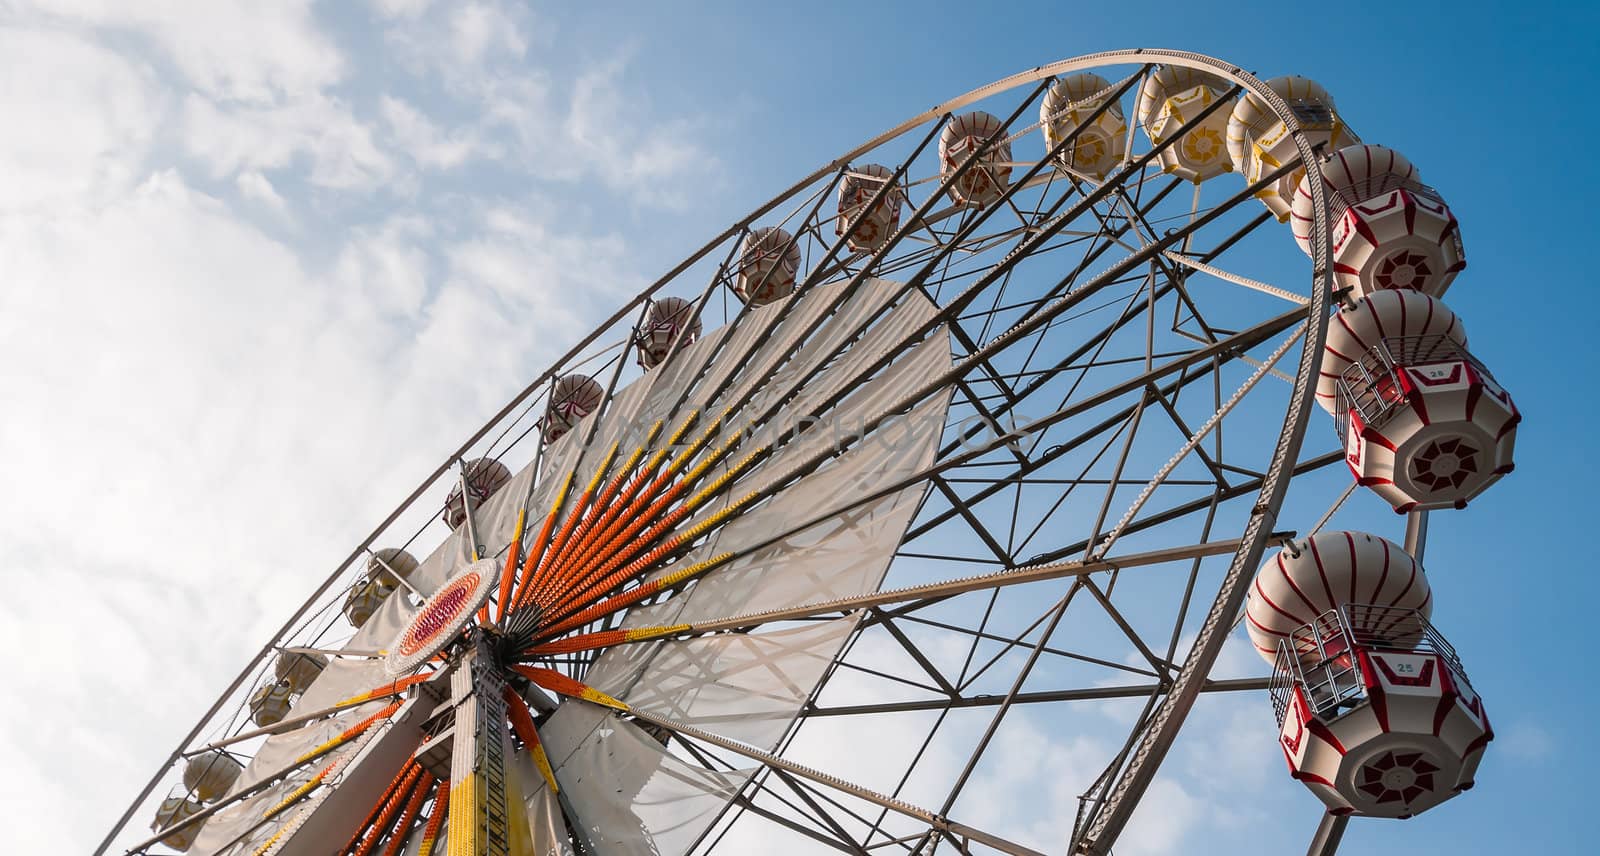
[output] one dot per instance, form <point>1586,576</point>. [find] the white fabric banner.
<point>632,796</point>
<point>746,687</point>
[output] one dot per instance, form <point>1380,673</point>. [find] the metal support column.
<point>481,822</point>
<point>1329,831</point>
<point>1416,534</point>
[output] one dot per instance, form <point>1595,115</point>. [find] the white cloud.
<point>611,135</point>
<point>1166,818</point>
<point>77,124</point>
<point>480,29</point>
<point>233,49</point>
<point>401,8</point>
<point>212,417</point>
<point>247,303</point>
<point>598,126</point>
<point>1032,778</point>
<point>458,42</point>
<point>141,338</point>
<point>425,142</point>
<point>172,297</point>
<point>341,149</point>
<point>1525,742</point>
<point>256,79</point>
<point>255,187</point>
<point>387,267</point>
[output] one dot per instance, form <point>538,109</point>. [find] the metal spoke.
<point>882,800</point>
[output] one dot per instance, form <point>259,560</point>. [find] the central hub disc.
<point>441,618</point>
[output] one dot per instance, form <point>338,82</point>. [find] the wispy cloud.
<point>255,186</point>
<point>1528,743</point>
<point>430,146</point>
<point>78,123</point>
<point>595,126</point>
<point>603,129</point>
<point>341,148</point>
<point>228,49</point>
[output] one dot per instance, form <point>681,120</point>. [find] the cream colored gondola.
<point>1259,143</point>
<point>670,319</point>
<point>270,703</point>
<point>299,668</point>
<point>175,809</point>
<point>1101,144</point>
<point>1169,99</point>
<point>856,189</point>
<point>210,775</point>
<point>768,265</point>
<point>990,175</point>
<point>484,476</point>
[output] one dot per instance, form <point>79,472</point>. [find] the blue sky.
<point>259,269</point>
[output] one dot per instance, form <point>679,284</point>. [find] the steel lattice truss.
<point>1119,416</point>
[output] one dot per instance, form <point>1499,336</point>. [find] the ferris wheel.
<point>994,416</point>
